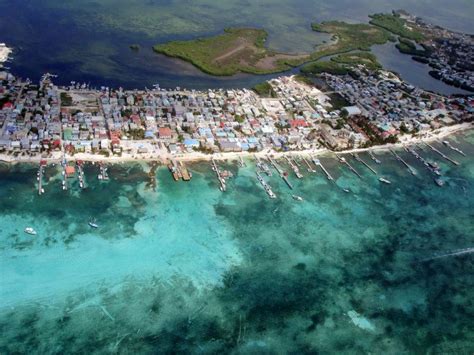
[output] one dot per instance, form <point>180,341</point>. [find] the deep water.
<point>188,269</point>
<point>88,41</point>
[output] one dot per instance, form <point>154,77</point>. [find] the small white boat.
<point>29,230</point>
<point>297,198</point>
<point>385,181</point>
<point>93,224</point>
<point>346,190</point>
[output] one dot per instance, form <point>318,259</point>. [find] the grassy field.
<point>396,25</point>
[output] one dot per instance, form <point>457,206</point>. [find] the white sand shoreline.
<point>197,156</point>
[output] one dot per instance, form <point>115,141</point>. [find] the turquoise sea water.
<point>188,269</point>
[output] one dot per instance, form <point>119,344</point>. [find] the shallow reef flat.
<point>189,269</point>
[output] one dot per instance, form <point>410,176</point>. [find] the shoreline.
<point>163,157</point>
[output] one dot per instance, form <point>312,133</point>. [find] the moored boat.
<point>385,181</point>
<point>30,230</point>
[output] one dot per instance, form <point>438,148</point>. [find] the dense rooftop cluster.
<point>42,118</point>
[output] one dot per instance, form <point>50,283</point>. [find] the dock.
<point>294,167</point>
<point>185,173</point>
<point>283,174</point>
<point>374,158</point>
<point>262,166</point>
<point>221,180</point>
<point>399,158</point>
<point>103,175</point>
<point>267,187</point>
<point>317,162</point>
<point>457,150</point>
<point>80,172</point>
<point>433,168</point>
<point>174,170</point>
<point>310,168</point>
<point>360,160</point>
<point>442,154</point>
<point>40,177</point>
<point>343,161</point>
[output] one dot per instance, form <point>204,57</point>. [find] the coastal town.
<point>360,110</point>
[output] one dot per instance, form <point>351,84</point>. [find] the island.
<point>243,49</point>
<point>236,50</point>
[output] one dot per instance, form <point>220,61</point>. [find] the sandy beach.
<point>164,156</point>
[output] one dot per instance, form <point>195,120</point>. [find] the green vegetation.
<point>342,64</point>
<point>408,47</point>
<point>358,58</point>
<point>236,50</point>
<point>264,90</point>
<point>243,50</point>
<point>348,37</point>
<point>325,67</point>
<point>395,24</point>
<point>66,99</point>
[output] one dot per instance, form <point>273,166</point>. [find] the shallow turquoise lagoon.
<point>185,268</point>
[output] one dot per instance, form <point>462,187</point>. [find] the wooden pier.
<point>317,162</point>
<point>399,158</point>
<point>360,160</point>
<point>221,180</point>
<point>343,161</point>
<point>442,154</point>
<point>283,174</point>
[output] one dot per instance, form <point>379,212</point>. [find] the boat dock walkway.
<point>399,158</point>
<point>372,156</point>
<point>267,187</point>
<point>310,168</point>
<point>343,160</point>
<point>431,167</point>
<point>442,154</point>
<point>317,162</point>
<point>80,171</point>
<point>295,168</point>
<point>185,173</point>
<point>40,178</point>
<point>103,172</point>
<point>221,180</point>
<point>457,150</point>
<point>359,159</point>
<point>283,174</point>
